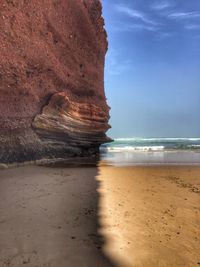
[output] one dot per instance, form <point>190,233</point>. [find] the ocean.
<point>151,151</point>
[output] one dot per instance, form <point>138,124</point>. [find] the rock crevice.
<point>66,119</point>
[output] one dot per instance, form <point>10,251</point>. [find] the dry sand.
<point>150,216</point>
<point>100,217</point>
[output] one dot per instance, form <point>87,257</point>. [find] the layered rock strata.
<point>52,101</point>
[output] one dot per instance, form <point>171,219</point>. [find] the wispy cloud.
<point>165,35</point>
<point>161,5</point>
<point>134,14</point>
<point>184,15</point>
<point>192,27</point>
<point>114,65</point>
<point>196,37</point>
<point>124,27</point>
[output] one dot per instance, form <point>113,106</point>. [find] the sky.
<point>152,71</point>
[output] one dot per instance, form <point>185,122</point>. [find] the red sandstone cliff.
<point>52,101</point>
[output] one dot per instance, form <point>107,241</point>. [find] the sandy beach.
<point>49,218</point>
<point>151,215</point>
<point>100,216</point>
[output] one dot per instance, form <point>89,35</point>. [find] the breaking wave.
<point>137,148</point>
<point>152,144</point>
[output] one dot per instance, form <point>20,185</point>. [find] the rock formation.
<point>52,101</point>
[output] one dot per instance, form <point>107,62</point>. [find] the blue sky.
<point>152,73</point>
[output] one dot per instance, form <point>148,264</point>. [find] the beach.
<point>150,216</point>
<point>49,218</point>
<point>100,216</point>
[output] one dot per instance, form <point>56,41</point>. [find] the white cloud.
<point>134,14</point>
<point>184,15</point>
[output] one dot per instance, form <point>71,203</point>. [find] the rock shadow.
<point>49,218</point>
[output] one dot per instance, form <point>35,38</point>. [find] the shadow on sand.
<point>49,218</point>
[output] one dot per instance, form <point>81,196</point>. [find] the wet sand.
<point>150,216</point>
<point>100,217</point>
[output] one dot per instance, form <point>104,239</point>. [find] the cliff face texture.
<point>52,101</point>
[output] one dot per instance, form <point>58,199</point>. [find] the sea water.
<point>152,151</point>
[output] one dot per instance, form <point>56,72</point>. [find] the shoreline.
<point>101,157</point>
